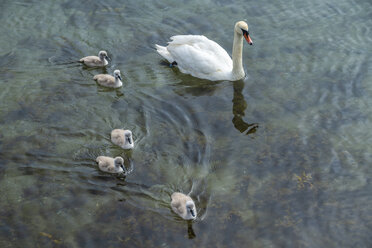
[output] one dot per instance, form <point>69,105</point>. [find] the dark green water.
<point>281,159</point>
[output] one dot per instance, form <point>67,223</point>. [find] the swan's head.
<point>191,211</point>
<point>119,162</point>
<point>117,74</point>
<point>128,139</point>
<point>103,55</point>
<point>242,29</point>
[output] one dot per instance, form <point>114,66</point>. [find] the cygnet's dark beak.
<point>128,139</point>
<point>192,212</point>
<point>247,37</point>
<point>107,57</point>
<point>119,77</point>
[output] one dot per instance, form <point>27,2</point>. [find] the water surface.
<point>279,159</point>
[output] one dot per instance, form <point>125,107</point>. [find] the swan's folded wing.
<point>118,137</point>
<point>187,39</point>
<point>102,162</point>
<point>202,43</point>
<point>104,79</point>
<point>197,55</point>
<point>177,207</point>
<point>90,59</point>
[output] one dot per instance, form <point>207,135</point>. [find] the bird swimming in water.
<point>94,61</point>
<point>108,80</point>
<point>183,205</point>
<point>122,138</point>
<point>111,165</point>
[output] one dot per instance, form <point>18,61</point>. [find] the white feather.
<point>203,58</point>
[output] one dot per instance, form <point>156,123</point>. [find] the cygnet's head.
<point>103,55</point>
<point>119,162</point>
<point>191,211</point>
<point>128,138</point>
<point>117,74</point>
<point>242,29</point>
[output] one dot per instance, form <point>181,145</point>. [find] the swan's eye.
<point>245,32</point>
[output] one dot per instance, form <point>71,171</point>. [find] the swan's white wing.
<point>199,56</point>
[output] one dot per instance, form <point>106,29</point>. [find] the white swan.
<point>122,138</point>
<point>183,205</point>
<point>111,165</point>
<point>204,58</point>
<point>94,61</point>
<point>108,80</point>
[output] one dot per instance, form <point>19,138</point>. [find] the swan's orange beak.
<point>248,38</point>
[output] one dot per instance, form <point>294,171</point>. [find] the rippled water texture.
<point>281,159</point>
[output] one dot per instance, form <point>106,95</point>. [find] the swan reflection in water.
<point>190,231</point>
<point>205,87</point>
<point>239,106</point>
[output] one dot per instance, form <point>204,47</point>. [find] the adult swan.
<point>204,58</point>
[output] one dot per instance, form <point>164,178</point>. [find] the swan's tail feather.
<point>163,51</point>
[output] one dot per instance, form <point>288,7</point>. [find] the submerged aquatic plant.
<point>303,180</point>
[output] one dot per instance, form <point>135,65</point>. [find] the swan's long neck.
<point>237,51</point>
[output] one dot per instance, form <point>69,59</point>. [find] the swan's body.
<point>122,138</point>
<point>94,61</point>
<point>183,205</point>
<point>110,165</point>
<point>108,80</point>
<point>204,58</point>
